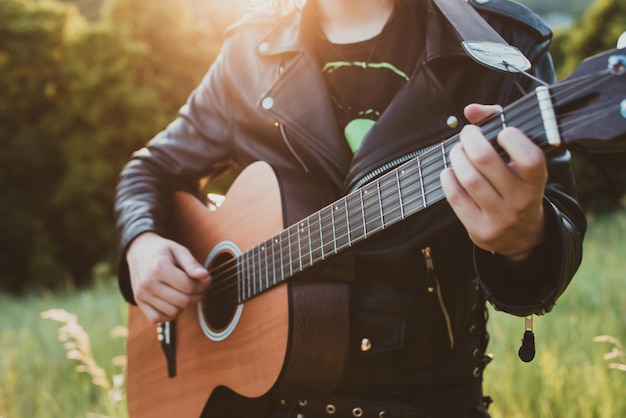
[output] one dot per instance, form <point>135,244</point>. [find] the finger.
<point>462,204</point>
<point>188,263</point>
<point>469,168</point>
<point>488,165</point>
<point>476,113</point>
<point>159,310</point>
<point>528,162</point>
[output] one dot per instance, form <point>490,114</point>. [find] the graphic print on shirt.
<point>363,77</point>
<point>357,117</point>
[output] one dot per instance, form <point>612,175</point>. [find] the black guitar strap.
<point>479,40</point>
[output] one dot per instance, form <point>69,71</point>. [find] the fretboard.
<point>379,204</point>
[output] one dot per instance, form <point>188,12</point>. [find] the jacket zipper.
<point>390,165</point>
<point>433,286</point>
<point>283,134</point>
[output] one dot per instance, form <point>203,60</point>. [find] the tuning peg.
<point>621,42</point>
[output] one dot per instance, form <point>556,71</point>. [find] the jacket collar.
<point>290,35</point>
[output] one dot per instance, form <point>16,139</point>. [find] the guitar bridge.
<point>166,334</point>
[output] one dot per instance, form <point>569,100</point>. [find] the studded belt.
<point>456,402</point>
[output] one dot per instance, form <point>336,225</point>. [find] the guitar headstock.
<point>590,104</point>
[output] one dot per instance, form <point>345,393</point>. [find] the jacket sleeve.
<point>532,287</point>
<point>193,146</point>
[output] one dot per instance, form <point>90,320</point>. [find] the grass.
<point>569,377</point>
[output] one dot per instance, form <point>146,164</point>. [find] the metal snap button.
<point>303,402</point>
<point>267,103</point>
<point>357,412</point>
<point>366,344</point>
<point>330,409</point>
<point>452,121</point>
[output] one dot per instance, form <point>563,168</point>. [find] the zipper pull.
<point>526,352</point>
<point>431,279</point>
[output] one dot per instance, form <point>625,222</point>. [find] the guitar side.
<point>289,339</point>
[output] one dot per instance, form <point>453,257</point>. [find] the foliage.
<point>81,97</point>
<point>573,7</point>
<point>31,51</point>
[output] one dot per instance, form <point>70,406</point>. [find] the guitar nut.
<point>357,412</point>
<point>330,409</point>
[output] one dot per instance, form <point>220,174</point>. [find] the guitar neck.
<point>379,204</point>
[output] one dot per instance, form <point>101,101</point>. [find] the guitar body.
<point>288,340</point>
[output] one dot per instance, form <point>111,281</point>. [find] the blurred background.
<point>83,83</point>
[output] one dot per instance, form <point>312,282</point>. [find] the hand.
<point>499,203</point>
<point>164,276</point>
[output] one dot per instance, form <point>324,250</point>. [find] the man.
<point>338,90</point>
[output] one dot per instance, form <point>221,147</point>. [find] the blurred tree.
<point>79,99</point>
<point>127,77</point>
<point>31,50</point>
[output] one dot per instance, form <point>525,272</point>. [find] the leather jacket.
<point>419,289</point>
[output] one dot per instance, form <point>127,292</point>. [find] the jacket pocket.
<point>377,331</point>
<point>433,288</point>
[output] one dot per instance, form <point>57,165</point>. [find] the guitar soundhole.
<point>219,304</point>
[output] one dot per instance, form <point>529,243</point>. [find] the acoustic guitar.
<point>275,319</point>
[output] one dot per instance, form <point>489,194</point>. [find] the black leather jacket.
<point>264,99</point>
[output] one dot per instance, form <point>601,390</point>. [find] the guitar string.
<point>266,268</point>
<point>451,141</point>
<point>393,191</point>
<point>427,172</point>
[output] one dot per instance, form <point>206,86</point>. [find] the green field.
<point>568,378</point>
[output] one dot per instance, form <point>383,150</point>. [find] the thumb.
<point>188,263</point>
<point>476,113</point>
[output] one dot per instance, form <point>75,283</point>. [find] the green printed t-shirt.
<point>363,77</point>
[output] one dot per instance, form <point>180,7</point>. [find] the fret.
<point>443,155</point>
<point>246,270</point>
<point>240,291</point>
<point>349,234</point>
<point>503,120</point>
<point>430,175</point>
<point>270,267</point>
<point>308,249</point>
<point>263,271</point>
<point>410,189</point>
<point>371,208</point>
<point>363,212</point>
<point>421,178</point>
<point>292,238</point>
<point>380,205</point>
<point>388,194</point>
<point>284,254</point>
<point>399,194</point>
<point>354,213</point>
<point>341,226</point>
<point>277,258</point>
<point>315,230</point>
<point>253,264</point>
<point>304,246</point>
<point>327,231</point>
